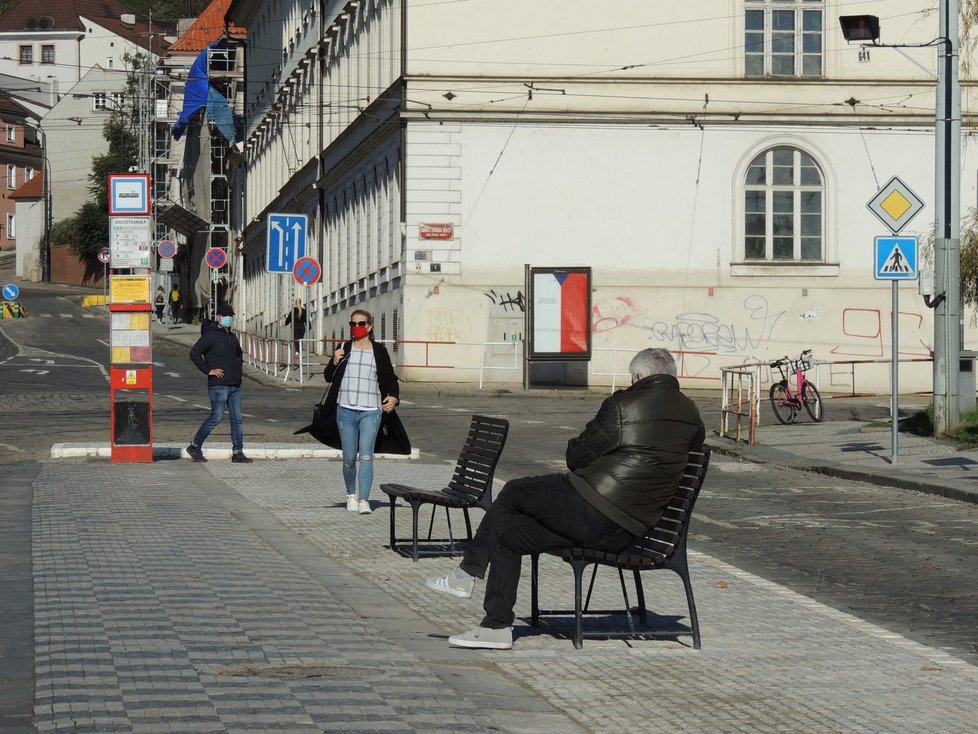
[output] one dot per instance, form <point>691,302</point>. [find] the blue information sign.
<point>286,238</point>
<point>11,291</point>
<point>896,258</point>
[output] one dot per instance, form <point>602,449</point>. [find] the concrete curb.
<point>169,451</point>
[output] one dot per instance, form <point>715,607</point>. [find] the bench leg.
<point>451,538</point>
<point>393,535</point>
<point>694,623</point>
<point>415,509</point>
<point>468,524</point>
<point>640,593</point>
<point>534,591</point>
<point>624,593</point>
<point>578,566</point>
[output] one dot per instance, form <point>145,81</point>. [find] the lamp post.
<point>947,204</point>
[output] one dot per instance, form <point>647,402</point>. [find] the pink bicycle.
<point>787,402</point>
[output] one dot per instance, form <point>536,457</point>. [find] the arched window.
<point>783,208</point>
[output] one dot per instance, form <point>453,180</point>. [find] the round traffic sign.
<point>216,257</point>
<point>11,291</point>
<point>166,249</point>
<point>307,271</point>
<point>104,255</point>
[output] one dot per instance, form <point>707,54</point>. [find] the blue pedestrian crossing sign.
<point>286,239</point>
<point>896,258</point>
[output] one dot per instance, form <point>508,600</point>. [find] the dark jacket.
<point>297,317</point>
<point>218,348</point>
<point>628,461</point>
<point>386,379</point>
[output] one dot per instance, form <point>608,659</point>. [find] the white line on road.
<point>45,315</point>
<point>202,407</point>
<point>172,374</point>
<point>174,397</point>
<point>710,521</point>
<point>67,315</point>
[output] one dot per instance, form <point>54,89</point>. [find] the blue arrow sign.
<point>286,238</point>
<point>11,291</point>
<point>896,258</point>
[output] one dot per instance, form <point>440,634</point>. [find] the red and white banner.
<point>561,318</point>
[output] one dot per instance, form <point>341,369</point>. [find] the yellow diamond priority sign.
<point>895,205</point>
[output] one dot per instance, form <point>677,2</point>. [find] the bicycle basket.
<point>803,363</point>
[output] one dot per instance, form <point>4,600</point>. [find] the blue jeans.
<point>358,434</point>
<point>221,396</point>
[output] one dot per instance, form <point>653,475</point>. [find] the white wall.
<point>30,231</point>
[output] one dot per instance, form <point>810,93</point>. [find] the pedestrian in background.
<point>218,355</point>
<point>175,303</point>
<point>160,302</point>
<point>297,317</point>
<point>364,386</point>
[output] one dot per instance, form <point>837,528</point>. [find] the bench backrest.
<point>670,532</point>
<point>480,454</point>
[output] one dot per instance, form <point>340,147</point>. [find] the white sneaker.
<point>484,638</point>
<point>450,583</point>
<point>351,502</point>
<point>363,507</point>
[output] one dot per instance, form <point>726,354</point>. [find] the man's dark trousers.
<point>532,515</point>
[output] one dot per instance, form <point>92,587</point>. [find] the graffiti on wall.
<point>864,329</point>
<point>611,314</point>
<point>506,301</point>
<point>449,325</point>
<point>702,331</point>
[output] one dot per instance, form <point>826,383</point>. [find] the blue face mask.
<point>226,321</point>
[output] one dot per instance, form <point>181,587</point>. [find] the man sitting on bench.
<point>624,469</point>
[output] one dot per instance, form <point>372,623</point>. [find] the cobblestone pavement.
<point>178,597</point>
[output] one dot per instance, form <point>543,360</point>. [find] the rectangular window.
<point>26,54</point>
<point>47,53</point>
<point>11,134</point>
<point>11,226</point>
<point>11,176</point>
<point>99,101</point>
<point>783,38</point>
<point>28,173</point>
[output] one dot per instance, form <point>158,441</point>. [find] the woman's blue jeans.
<point>358,434</point>
<point>221,396</point>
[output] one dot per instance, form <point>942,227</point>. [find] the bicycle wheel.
<point>812,401</point>
<point>784,411</point>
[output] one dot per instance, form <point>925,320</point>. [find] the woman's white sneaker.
<point>351,502</point>
<point>363,507</point>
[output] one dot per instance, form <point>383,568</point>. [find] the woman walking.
<point>297,317</point>
<point>365,387</point>
<point>159,303</point>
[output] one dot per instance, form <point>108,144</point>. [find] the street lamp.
<point>947,197</point>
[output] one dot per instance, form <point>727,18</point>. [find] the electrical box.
<point>925,285</point>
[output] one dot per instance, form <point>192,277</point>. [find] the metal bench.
<point>663,547</point>
<point>470,486</point>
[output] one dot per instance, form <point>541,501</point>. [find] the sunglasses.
<point>359,323</point>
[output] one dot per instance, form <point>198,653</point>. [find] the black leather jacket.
<point>629,459</point>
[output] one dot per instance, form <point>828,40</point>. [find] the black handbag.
<point>323,427</point>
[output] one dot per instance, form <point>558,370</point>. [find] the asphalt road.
<point>893,557</point>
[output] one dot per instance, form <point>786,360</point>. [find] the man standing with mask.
<point>218,355</point>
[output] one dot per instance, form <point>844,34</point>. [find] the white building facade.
<point>710,162</point>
